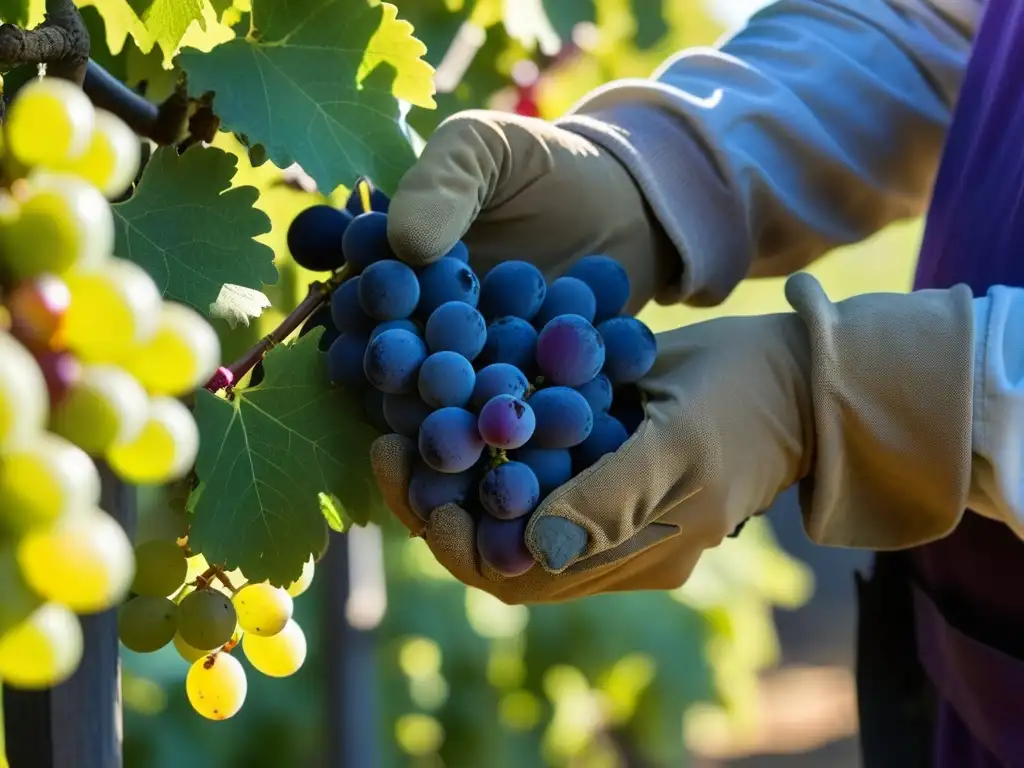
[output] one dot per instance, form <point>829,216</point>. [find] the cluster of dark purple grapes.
<point>509,385</point>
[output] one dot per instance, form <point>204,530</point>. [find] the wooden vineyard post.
<point>77,724</point>
<point>353,571</point>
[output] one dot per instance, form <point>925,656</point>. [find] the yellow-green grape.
<point>216,686</point>
<point>43,480</point>
<point>164,450</point>
<point>115,308</point>
<point>62,223</point>
<point>186,651</point>
<point>50,122</point>
<point>160,568</point>
<point>105,406</point>
<point>278,656</point>
<point>23,399</point>
<point>206,619</point>
<point>301,584</point>
<point>43,650</point>
<point>263,609</point>
<point>83,561</point>
<point>17,601</point>
<point>111,162</point>
<point>147,624</point>
<point>182,355</point>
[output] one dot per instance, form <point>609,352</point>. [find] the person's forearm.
<point>997,468</point>
<point>819,123</point>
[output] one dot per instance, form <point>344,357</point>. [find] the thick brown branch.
<point>61,42</point>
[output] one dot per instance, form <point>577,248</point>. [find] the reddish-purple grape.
<point>506,422</point>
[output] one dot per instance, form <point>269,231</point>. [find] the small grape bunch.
<point>510,386</point>
<point>91,363</point>
<point>206,612</point>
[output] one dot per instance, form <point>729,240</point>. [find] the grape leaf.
<point>191,230</point>
<point>236,305</point>
<point>121,20</point>
<point>318,84</point>
<point>15,11</point>
<point>277,463</point>
<point>168,20</point>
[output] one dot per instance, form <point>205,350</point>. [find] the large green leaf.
<point>278,460</point>
<point>318,84</point>
<point>121,21</point>
<point>191,230</point>
<point>168,20</point>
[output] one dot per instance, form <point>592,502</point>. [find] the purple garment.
<point>968,600</point>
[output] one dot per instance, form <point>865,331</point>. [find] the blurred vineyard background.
<point>748,664</point>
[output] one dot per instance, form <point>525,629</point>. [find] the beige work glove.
<point>867,402</point>
<point>517,187</point>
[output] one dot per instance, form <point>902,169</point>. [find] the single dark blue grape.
<point>345,359</point>
<point>564,418</point>
<point>509,491</point>
<point>315,236</point>
<point>366,240</point>
<point>392,325</point>
<point>498,379</point>
<point>389,290</point>
<point>502,545</point>
<point>570,351</point>
<point>567,296</point>
<point>512,289</point>
<point>598,392</point>
<point>607,279</point>
<point>630,349</point>
<point>459,251</point>
<point>628,408</point>
<point>606,437</point>
<point>456,327</point>
<point>373,409</point>
<point>392,361</point>
<point>447,280</point>
<point>430,489</point>
<point>510,340</point>
<point>506,422</point>
<point>346,313</point>
<point>404,414</point>
<point>446,380</point>
<point>449,440</point>
<point>552,466</point>
<point>378,201</point>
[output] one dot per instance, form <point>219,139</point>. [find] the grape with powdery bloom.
<point>505,385</point>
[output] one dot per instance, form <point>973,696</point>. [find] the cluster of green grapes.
<point>206,613</point>
<point>92,363</point>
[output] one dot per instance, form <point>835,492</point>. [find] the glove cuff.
<point>892,390</point>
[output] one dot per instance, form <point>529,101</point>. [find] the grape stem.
<point>317,294</point>
<point>61,42</point>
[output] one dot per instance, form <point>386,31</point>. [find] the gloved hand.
<point>868,401</point>
<point>522,188</point>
